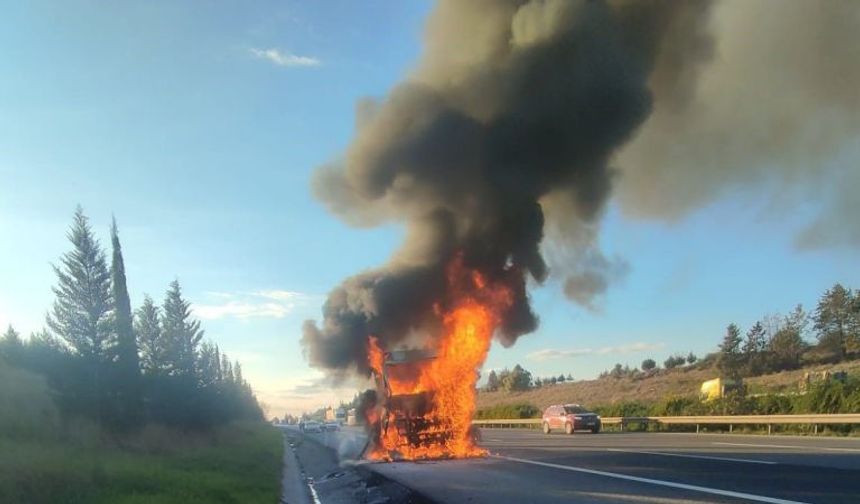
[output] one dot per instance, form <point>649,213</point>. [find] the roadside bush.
<point>678,406</point>
<point>509,411</point>
<point>622,409</point>
<point>830,397</point>
<point>773,405</point>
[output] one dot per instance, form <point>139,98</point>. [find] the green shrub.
<point>624,409</point>
<point>678,406</point>
<point>508,411</point>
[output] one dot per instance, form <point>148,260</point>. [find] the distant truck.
<point>719,387</point>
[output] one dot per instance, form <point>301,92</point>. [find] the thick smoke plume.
<point>514,102</point>
<point>770,112</point>
<point>523,115</point>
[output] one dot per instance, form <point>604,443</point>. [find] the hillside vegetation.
<point>679,382</point>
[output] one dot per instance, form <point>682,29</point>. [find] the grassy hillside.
<point>684,382</point>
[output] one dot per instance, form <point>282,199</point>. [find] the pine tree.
<point>81,315</point>
<point>11,346</point>
<point>729,361</point>
<point>127,359</point>
<point>835,322</point>
<point>181,332</point>
<point>237,374</point>
<point>753,349</point>
<point>226,369</point>
<point>153,347</point>
<point>219,374</point>
<point>209,365</point>
<point>492,381</point>
<point>648,364</point>
<point>786,348</point>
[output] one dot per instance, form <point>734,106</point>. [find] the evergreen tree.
<point>237,374</point>
<point>836,322</point>
<point>674,361</point>
<point>226,369</point>
<point>561,378</point>
<point>517,379</point>
<point>150,337</point>
<point>753,349</point>
<point>691,358</point>
<point>127,382</point>
<point>729,362</point>
<point>11,346</point>
<point>492,381</point>
<point>209,365</point>
<point>82,318</point>
<point>786,347</point>
<point>181,332</point>
<point>81,315</point>
<point>219,374</point>
<point>648,364</point>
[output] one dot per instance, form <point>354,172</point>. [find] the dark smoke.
<point>515,110</point>
<point>767,112</point>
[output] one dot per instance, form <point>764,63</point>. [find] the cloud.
<point>246,305</point>
<point>285,59</point>
<point>554,353</point>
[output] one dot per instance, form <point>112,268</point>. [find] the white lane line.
<point>792,447</point>
<point>686,455</point>
<point>313,489</point>
<point>670,484</point>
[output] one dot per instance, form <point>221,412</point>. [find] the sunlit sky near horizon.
<point>199,126</point>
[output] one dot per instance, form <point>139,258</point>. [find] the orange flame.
<point>446,382</point>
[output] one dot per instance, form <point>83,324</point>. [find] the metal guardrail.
<point>730,420</point>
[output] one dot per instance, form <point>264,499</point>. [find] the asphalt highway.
<point>527,466</point>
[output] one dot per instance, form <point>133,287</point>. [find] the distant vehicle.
<point>332,426</point>
<point>570,418</point>
<point>312,426</point>
<point>719,387</point>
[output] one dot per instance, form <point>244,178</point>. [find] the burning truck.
<point>405,421</point>
<point>425,398</point>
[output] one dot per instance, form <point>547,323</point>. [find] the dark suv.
<point>570,417</point>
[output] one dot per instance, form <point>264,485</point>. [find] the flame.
<point>447,382</point>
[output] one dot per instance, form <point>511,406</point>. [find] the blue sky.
<point>199,125</point>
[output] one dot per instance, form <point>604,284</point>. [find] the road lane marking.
<point>670,484</point>
<point>794,447</point>
<point>685,455</point>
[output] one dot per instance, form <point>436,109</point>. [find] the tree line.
<point>124,368</point>
<point>779,343</point>
<point>828,335</point>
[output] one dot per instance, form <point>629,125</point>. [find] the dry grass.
<point>787,381</point>
<point>684,382</point>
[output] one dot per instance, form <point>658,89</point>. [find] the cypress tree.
<point>128,363</point>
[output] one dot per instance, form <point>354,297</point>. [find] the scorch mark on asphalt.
<point>670,484</point>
